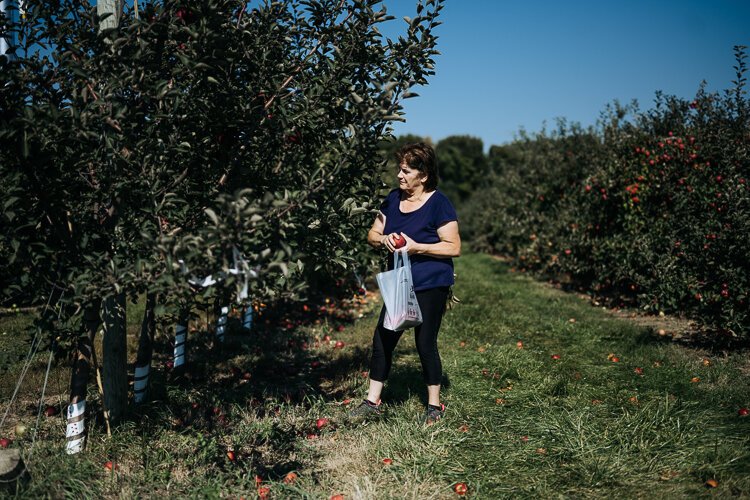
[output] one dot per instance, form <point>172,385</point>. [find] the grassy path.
<point>659,422</point>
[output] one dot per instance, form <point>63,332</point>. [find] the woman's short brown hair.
<point>421,157</point>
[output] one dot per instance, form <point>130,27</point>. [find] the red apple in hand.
<point>400,241</point>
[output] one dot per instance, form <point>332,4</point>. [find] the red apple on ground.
<point>110,465</point>
<point>231,455</point>
<point>339,345</point>
<point>5,442</point>
<point>460,489</point>
<point>290,478</point>
<point>51,411</point>
<point>615,359</point>
<point>321,422</point>
<point>264,492</point>
<point>555,356</point>
<point>743,412</point>
<point>638,370</point>
<point>519,344</point>
<point>387,461</point>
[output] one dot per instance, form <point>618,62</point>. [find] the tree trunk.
<point>75,431</point>
<point>145,350</point>
<point>115,354</point>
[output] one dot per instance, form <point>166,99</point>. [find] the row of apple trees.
<point>195,132</point>
<point>649,209</point>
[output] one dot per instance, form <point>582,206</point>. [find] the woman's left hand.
<point>411,245</point>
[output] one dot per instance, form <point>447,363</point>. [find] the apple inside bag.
<point>397,289</point>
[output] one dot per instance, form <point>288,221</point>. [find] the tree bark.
<point>115,354</point>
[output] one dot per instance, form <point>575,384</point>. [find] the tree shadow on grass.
<point>405,381</point>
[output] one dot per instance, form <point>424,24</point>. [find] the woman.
<point>426,219</point>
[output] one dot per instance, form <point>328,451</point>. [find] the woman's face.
<point>409,178</point>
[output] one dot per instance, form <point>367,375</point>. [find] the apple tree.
<point>195,132</point>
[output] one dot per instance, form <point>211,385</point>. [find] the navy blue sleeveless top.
<point>421,225</point>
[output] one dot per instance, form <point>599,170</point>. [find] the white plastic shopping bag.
<point>397,289</point>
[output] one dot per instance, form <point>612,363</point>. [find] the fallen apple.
<point>462,343</point>
<point>339,345</point>
<point>615,359</point>
<point>519,344</point>
<point>695,380</point>
<point>321,422</point>
<point>231,455</point>
<point>290,477</point>
<point>51,411</point>
<point>555,356</point>
<point>338,496</point>
<point>5,442</point>
<point>387,461</point>
<point>20,430</point>
<point>743,412</point>
<point>110,465</point>
<point>246,376</point>
<point>712,483</point>
<point>638,370</point>
<point>460,489</point>
<point>264,492</point>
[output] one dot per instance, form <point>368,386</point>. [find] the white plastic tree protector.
<point>141,382</point>
<point>221,323</point>
<point>75,430</point>
<point>247,318</point>
<point>180,338</point>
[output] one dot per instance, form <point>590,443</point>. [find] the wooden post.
<point>115,354</point>
<point>113,7</point>
<point>13,473</point>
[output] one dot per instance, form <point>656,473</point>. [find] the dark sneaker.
<point>434,413</point>
<point>365,410</point>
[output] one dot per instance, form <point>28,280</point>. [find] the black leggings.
<point>432,305</point>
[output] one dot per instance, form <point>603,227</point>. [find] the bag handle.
<point>401,259</point>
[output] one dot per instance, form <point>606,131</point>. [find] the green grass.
<point>580,426</point>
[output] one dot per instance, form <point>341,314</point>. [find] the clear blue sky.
<point>507,64</point>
